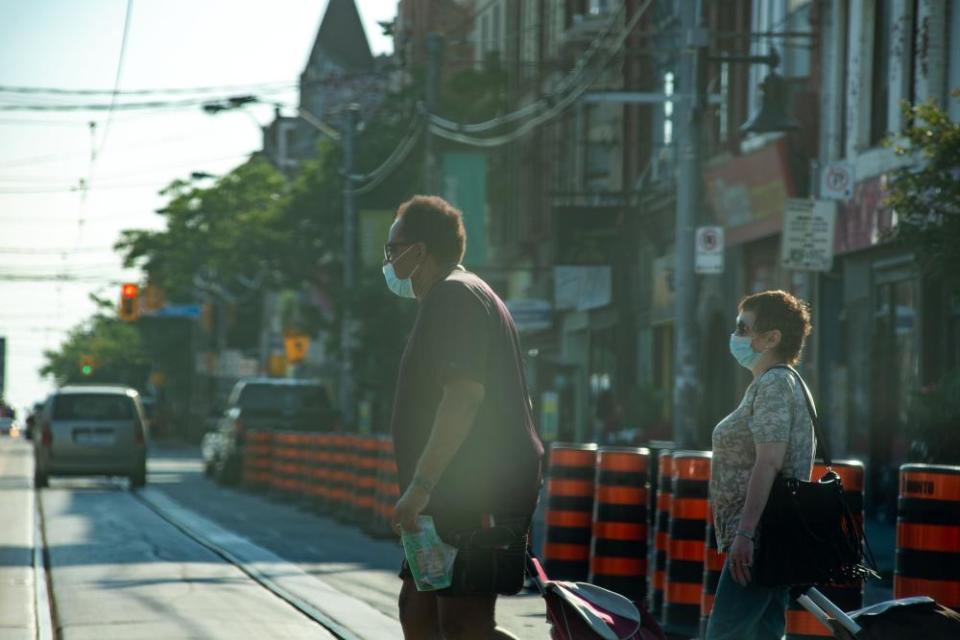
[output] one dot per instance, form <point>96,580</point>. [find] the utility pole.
<point>434,51</point>
<point>349,267</point>
<point>689,202</point>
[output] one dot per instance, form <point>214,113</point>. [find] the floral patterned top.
<point>773,409</point>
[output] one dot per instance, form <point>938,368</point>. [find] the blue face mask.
<point>402,288</point>
<point>742,351</point>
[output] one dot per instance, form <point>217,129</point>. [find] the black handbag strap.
<point>812,409</point>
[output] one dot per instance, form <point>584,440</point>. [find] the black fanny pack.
<point>490,559</point>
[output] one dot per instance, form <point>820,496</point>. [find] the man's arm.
<point>455,415</point>
<point>453,421</point>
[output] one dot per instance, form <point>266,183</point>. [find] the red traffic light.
<point>129,290</point>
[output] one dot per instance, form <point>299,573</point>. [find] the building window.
<point>880,76</point>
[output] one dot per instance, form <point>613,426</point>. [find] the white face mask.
<point>404,287</point>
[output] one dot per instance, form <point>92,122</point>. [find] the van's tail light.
<point>46,435</point>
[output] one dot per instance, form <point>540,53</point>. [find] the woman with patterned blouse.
<point>769,433</point>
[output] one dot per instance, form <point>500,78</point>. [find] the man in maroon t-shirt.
<point>466,445</point>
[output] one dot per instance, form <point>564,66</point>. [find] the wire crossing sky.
<point>58,55</point>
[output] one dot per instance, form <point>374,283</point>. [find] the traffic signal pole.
<point>349,268</point>
<point>689,201</point>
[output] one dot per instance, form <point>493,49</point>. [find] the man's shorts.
<point>491,553</point>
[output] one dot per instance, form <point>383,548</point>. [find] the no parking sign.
<point>837,180</point>
<point>709,250</point>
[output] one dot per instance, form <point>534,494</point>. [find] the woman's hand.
<point>740,558</point>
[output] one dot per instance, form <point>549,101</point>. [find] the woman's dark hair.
<point>436,223</point>
<point>784,312</point>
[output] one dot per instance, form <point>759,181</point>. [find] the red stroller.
<point>582,611</point>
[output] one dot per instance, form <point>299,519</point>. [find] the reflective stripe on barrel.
<point>618,550</point>
<point>712,566</point>
<point>685,545</point>
<point>569,517</point>
<point>386,490</point>
<point>928,534</point>
<point>661,530</point>
<point>801,624</point>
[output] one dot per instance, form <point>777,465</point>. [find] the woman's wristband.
<point>749,536</point>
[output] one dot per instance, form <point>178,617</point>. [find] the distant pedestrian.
<point>466,445</point>
<point>770,433</point>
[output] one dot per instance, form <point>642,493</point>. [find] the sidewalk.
<point>16,541</point>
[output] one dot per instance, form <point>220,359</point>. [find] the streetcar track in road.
<point>302,606</point>
<point>44,607</point>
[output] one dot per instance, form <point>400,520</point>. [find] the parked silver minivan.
<point>91,430</point>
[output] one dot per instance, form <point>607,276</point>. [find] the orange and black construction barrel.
<point>569,517</point>
<point>928,534</point>
<point>618,551</point>
<point>801,624</point>
<point>257,452</point>
<point>340,459</point>
<point>712,566</point>
<point>282,467</point>
<point>365,483</point>
<point>317,469</point>
<point>386,492</point>
<point>661,530</point>
<point>686,548</point>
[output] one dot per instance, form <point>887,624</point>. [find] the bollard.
<point>712,566</point>
<point>928,534</point>
<point>618,549</point>
<point>685,548</point>
<point>569,516</point>
<point>801,624</point>
<point>661,531</point>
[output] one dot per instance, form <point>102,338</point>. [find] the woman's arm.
<point>765,469</point>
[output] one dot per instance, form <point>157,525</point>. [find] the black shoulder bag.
<point>807,534</point>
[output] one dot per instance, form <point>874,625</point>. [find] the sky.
<point>51,227</point>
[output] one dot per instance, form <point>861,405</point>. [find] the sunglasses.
<point>390,250</point>
<point>743,329</point>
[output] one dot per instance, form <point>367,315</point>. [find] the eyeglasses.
<point>390,249</point>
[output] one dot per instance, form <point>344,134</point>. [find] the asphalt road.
<point>186,558</point>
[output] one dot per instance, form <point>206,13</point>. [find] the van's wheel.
<point>40,480</point>
<point>138,479</point>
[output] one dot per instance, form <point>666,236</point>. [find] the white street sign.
<point>709,250</point>
<point>837,180</point>
<point>808,234</point>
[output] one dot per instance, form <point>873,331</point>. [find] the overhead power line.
<point>450,130</point>
<point>258,87</point>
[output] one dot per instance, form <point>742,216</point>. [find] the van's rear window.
<point>92,406</point>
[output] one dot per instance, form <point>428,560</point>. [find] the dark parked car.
<point>276,404</point>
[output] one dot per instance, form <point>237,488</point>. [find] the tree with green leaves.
<point>102,349</point>
<point>925,195</point>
